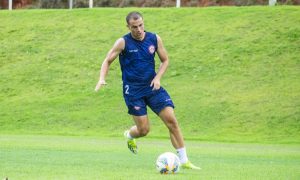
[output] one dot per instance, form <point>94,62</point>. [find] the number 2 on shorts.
<point>126,89</point>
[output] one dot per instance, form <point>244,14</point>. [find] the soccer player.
<point>141,84</point>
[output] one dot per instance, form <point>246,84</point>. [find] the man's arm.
<point>110,57</point>
<point>163,56</point>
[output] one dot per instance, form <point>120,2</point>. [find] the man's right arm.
<point>110,57</point>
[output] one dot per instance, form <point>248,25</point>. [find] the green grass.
<point>233,75</point>
<point>53,157</point>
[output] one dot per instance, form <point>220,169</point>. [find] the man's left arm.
<point>163,56</point>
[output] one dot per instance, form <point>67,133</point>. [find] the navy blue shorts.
<point>138,100</point>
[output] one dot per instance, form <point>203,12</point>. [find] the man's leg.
<point>168,117</point>
<point>140,129</point>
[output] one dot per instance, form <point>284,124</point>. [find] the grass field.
<point>239,67</point>
<point>56,157</point>
<point>233,75</point>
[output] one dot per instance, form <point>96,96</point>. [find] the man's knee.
<point>173,125</point>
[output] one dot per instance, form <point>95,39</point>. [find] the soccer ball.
<point>167,163</point>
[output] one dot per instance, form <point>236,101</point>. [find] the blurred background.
<point>62,4</point>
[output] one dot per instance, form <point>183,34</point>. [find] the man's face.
<point>137,28</point>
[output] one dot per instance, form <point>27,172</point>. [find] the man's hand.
<point>99,85</point>
<point>155,83</point>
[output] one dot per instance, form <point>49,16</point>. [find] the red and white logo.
<point>151,49</point>
<point>137,108</point>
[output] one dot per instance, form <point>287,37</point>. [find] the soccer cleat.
<point>131,143</point>
<point>189,165</point>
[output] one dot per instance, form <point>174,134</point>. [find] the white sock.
<point>128,135</point>
<point>182,155</point>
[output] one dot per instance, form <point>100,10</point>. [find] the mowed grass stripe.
<point>48,157</point>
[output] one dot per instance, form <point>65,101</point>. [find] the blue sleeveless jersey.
<point>137,60</point>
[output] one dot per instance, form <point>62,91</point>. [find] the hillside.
<point>233,75</point>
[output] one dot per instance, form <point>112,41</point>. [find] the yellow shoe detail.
<point>131,143</point>
<point>189,165</point>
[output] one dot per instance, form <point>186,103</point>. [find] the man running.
<point>141,84</point>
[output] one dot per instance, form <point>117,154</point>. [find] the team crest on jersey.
<point>151,49</point>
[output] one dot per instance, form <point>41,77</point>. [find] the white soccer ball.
<point>168,163</point>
